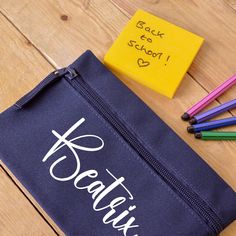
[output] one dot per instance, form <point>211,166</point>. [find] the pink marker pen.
<point>209,98</point>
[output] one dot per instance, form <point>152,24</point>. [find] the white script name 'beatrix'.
<point>96,188</point>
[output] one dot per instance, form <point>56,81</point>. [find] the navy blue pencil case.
<point>100,162</point>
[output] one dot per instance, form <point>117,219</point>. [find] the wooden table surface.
<point>39,36</point>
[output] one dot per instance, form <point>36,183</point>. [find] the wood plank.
<point>231,3</point>
<point>17,215</point>
<point>22,67</point>
<point>62,30</point>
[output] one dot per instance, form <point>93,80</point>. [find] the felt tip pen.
<point>213,112</point>
<point>211,125</point>
<point>214,135</point>
<point>209,98</point>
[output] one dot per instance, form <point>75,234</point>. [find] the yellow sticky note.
<point>153,52</point>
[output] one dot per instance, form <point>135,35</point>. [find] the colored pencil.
<point>213,112</point>
<point>214,135</point>
<point>209,98</point>
<point>211,125</point>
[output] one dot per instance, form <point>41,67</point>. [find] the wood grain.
<point>53,33</point>
<point>17,215</point>
<point>22,67</point>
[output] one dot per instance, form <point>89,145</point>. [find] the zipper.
<point>188,195</point>
<point>191,198</point>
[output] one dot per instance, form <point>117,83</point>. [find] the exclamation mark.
<point>167,59</point>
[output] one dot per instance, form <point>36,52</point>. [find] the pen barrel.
<point>215,111</point>
<point>211,135</point>
<point>214,124</point>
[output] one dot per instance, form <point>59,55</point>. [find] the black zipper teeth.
<point>190,197</point>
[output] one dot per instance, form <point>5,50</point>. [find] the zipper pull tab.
<point>51,78</point>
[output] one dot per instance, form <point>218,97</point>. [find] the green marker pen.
<point>211,135</point>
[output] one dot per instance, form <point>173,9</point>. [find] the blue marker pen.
<point>212,125</point>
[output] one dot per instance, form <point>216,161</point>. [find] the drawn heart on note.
<point>142,63</point>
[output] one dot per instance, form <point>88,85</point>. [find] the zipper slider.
<point>71,73</point>
<point>51,78</point>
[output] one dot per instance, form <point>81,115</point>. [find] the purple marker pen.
<point>213,112</point>
<point>209,98</point>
